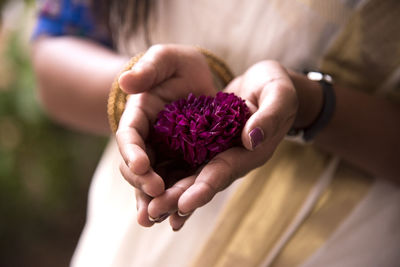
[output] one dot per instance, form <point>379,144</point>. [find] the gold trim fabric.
<point>263,207</point>
<point>341,197</point>
<point>367,51</point>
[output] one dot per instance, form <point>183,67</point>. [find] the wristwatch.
<point>306,135</point>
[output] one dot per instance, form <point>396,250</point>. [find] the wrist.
<point>310,99</point>
<point>326,108</point>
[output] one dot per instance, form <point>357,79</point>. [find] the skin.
<point>365,134</point>
<point>74,77</point>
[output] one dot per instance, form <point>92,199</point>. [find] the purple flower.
<point>201,127</point>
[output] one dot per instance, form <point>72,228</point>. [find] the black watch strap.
<point>328,108</point>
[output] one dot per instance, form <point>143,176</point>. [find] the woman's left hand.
<point>273,103</point>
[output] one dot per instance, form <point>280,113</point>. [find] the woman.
<point>317,205</point>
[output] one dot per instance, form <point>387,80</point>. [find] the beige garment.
<point>112,236</point>
<point>244,32</point>
<point>297,33</point>
<point>369,237</point>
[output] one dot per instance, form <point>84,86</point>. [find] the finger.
<point>272,120</point>
<point>218,174</point>
<point>236,87</point>
<point>179,87</point>
<point>132,147</point>
<point>140,111</point>
<point>171,72</point>
<point>142,202</point>
<point>150,183</point>
<point>155,66</point>
<point>132,131</point>
<point>177,221</point>
<point>167,203</point>
<point>274,96</point>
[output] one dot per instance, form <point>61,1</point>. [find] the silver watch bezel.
<point>319,77</point>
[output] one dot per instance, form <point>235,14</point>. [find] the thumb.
<point>138,79</point>
<point>269,122</point>
<point>254,131</point>
<point>154,67</point>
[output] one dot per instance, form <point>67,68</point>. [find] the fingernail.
<point>183,214</point>
<point>160,218</point>
<point>121,79</point>
<point>177,229</point>
<point>146,188</point>
<point>256,137</point>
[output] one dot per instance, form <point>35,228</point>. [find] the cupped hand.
<point>165,73</point>
<point>272,99</point>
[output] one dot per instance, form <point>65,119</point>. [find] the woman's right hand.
<point>165,73</point>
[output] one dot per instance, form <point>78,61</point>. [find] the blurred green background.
<point>45,170</point>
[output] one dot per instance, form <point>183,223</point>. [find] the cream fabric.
<point>369,237</point>
<point>112,236</point>
<point>298,34</point>
<point>244,32</point>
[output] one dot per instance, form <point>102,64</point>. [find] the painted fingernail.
<point>181,214</point>
<point>256,137</point>
<point>160,218</point>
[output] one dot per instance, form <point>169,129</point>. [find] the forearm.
<point>364,130</point>
<point>74,77</point>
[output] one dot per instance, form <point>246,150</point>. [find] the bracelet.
<point>307,134</point>
<point>117,98</point>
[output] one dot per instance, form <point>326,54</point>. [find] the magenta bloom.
<point>201,127</point>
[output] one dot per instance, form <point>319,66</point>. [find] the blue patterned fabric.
<point>68,17</point>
